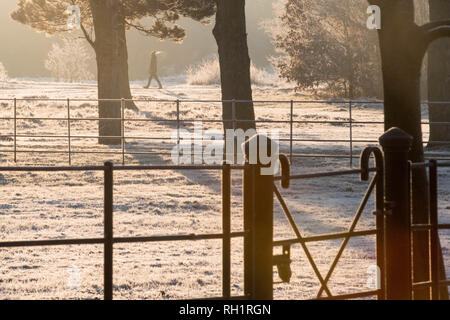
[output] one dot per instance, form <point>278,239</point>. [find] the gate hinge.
<point>283,263</point>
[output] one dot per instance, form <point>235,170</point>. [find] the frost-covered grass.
<point>3,73</point>
<point>70,204</point>
<point>207,72</point>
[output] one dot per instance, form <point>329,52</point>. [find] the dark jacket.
<point>153,64</point>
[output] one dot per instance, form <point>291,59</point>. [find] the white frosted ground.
<point>69,205</point>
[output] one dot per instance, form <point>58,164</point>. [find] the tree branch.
<point>86,35</point>
<point>435,30</point>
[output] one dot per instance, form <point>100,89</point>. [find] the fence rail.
<point>257,232</point>
<point>108,240</point>
<point>179,121</point>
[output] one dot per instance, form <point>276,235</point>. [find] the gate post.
<point>396,144</point>
<point>258,220</point>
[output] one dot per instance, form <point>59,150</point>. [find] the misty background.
<point>24,51</point>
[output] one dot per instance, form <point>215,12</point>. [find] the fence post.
<point>226,228</point>
<point>248,199</point>
<point>233,114</point>
<point>379,221</point>
<point>434,232</point>
<point>108,231</point>
<point>178,130</point>
<point>396,144</point>
<point>351,132</point>
<point>122,116</point>
<point>15,130</point>
<point>291,130</point>
<point>68,131</point>
<point>258,221</point>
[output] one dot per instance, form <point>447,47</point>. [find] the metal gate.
<point>391,185</point>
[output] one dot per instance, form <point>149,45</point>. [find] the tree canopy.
<point>50,16</point>
<point>327,42</point>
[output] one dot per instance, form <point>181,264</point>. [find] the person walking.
<point>153,70</point>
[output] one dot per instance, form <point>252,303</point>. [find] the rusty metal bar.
<point>398,272</point>
<point>178,167</point>
<point>301,240</point>
<point>223,298</point>
<point>122,140</point>
<point>52,242</point>
<point>15,130</point>
<point>150,153</point>
<point>226,229</point>
<point>351,295</point>
<point>342,101</point>
<point>324,237</point>
<point>122,168</point>
<point>434,232</point>
<point>217,121</point>
<point>178,130</point>
<point>380,237</point>
<point>421,227</point>
<point>263,235</point>
<point>422,285</point>
<point>108,231</point>
<point>360,210</point>
<point>58,242</point>
<point>443,165</point>
<point>44,169</point>
<point>419,165</point>
<point>68,131</point>
<point>291,130</point>
<point>248,217</point>
<point>351,133</point>
<point>233,113</point>
<point>181,237</point>
<point>325,174</point>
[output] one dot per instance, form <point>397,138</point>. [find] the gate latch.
<point>283,263</point>
<point>388,206</point>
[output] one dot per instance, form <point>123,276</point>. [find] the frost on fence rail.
<point>293,139</point>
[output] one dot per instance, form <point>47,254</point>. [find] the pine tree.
<point>103,24</point>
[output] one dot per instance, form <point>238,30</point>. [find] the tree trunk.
<point>403,45</point>
<point>108,21</point>
<point>231,37</point>
<point>125,91</point>
<point>439,78</point>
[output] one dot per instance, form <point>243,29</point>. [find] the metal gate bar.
<point>109,240</point>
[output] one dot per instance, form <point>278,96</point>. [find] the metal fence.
<point>180,121</point>
<point>108,240</point>
<point>258,193</point>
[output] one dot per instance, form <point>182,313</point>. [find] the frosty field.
<point>70,205</point>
